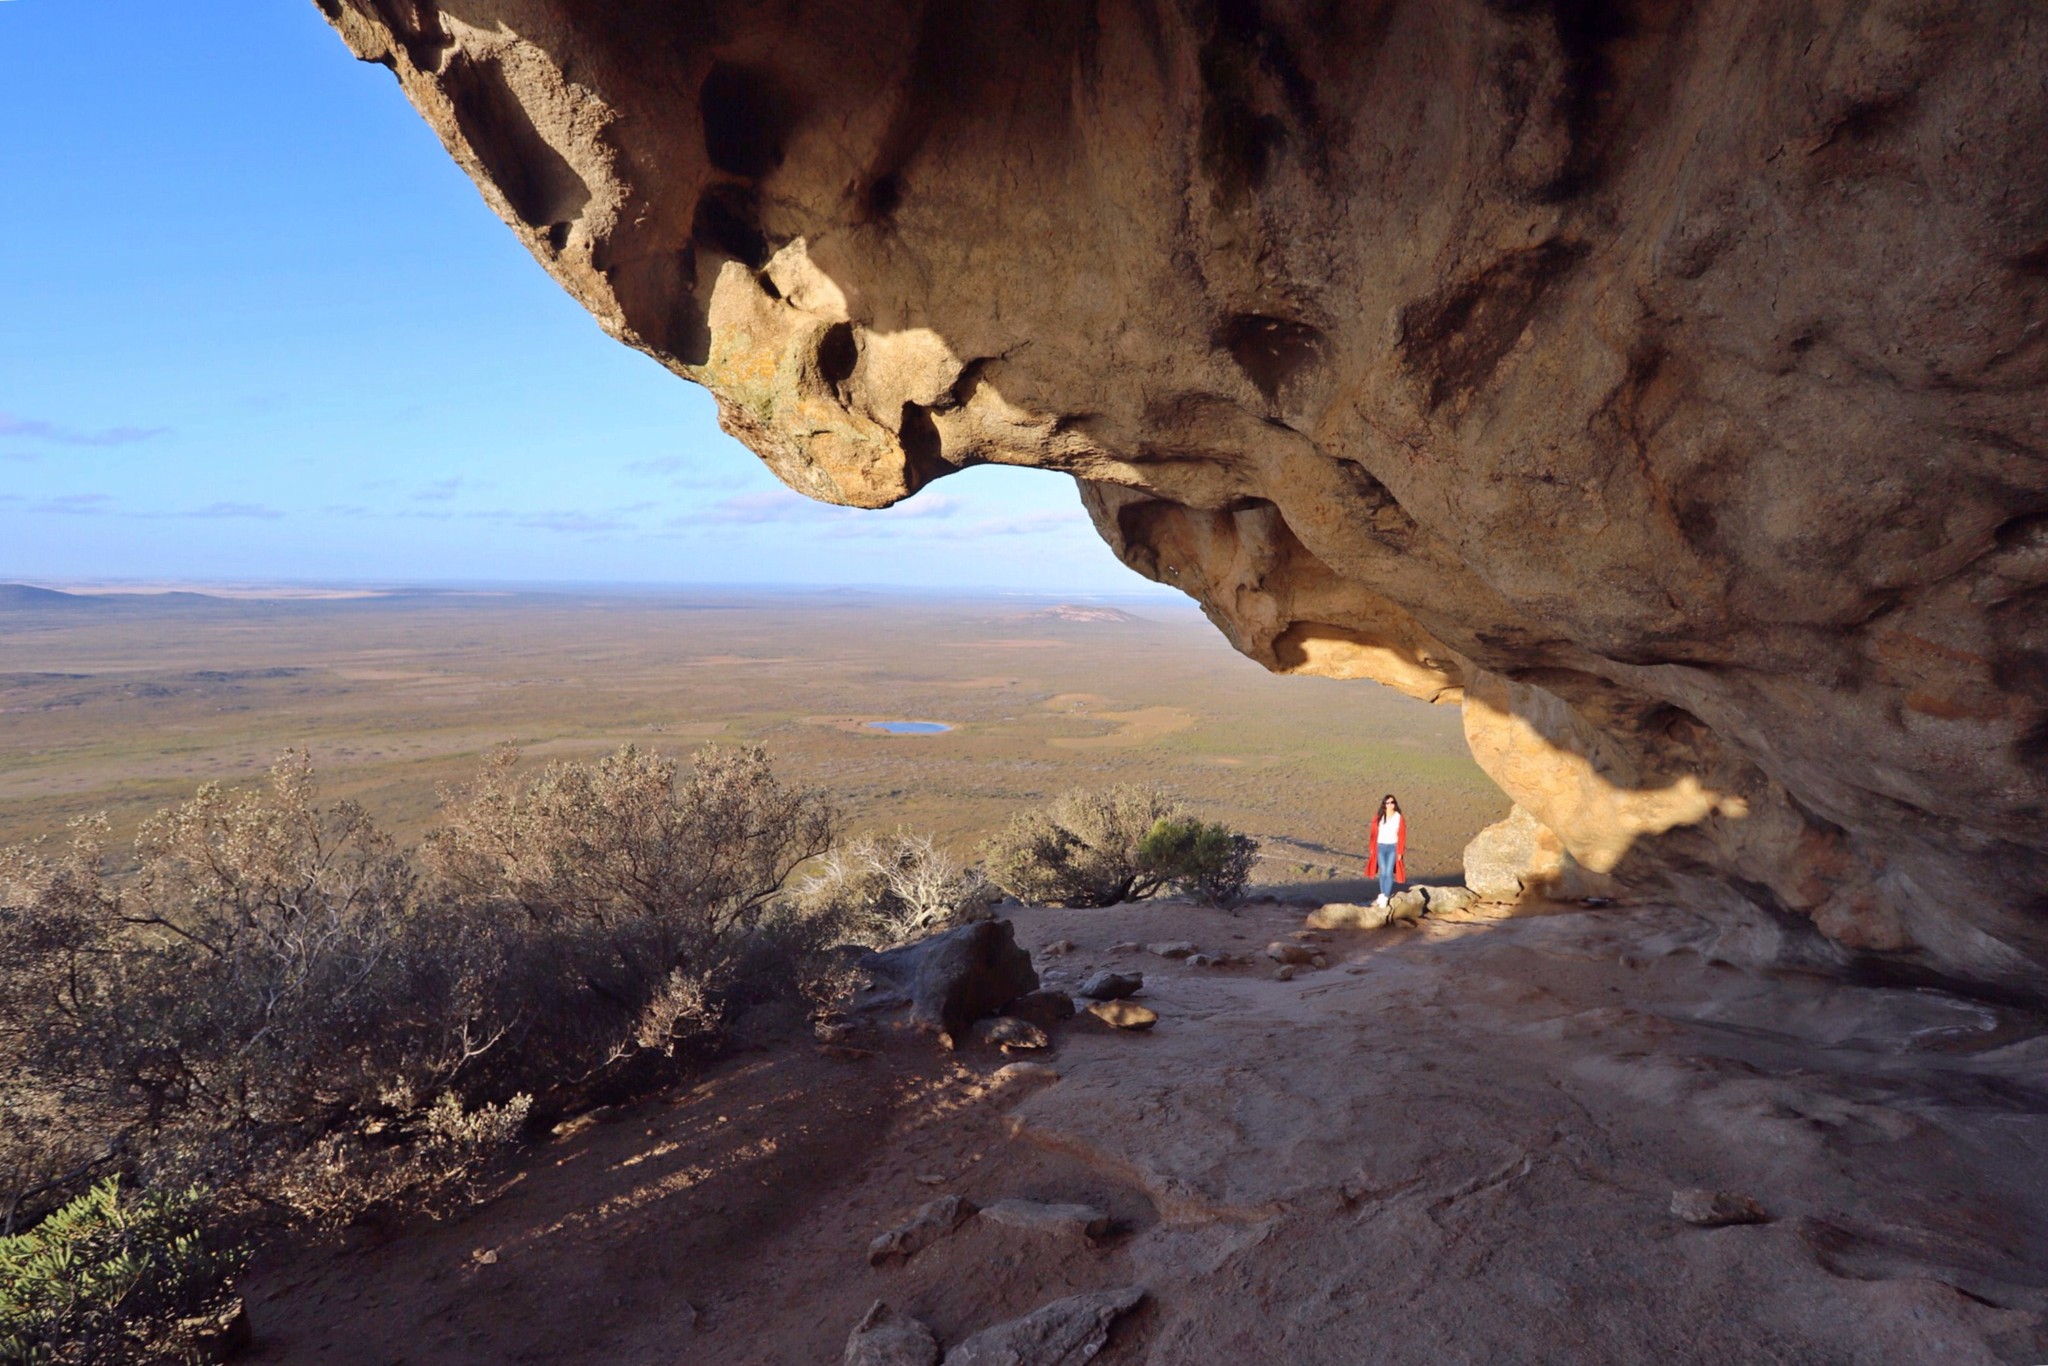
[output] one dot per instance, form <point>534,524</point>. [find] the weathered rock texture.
<point>1665,381</point>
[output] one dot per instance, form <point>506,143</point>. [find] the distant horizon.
<point>1144,590</point>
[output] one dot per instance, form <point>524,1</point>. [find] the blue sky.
<point>256,326</point>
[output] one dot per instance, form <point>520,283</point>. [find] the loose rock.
<point>1714,1209</point>
<point>1016,1073</point>
<point>1407,905</point>
<point>935,1219</point>
<point>1007,1032</point>
<point>1281,952</point>
<point>1112,986</point>
<point>1058,947</point>
<point>1042,1008</point>
<point>1175,948</point>
<point>1064,1333</point>
<point>1284,973</point>
<point>1072,1221</point>
<point>1450,900</point>
<point>884,1337</point>
<point>1345,915</point>
<point>1124,1014</point>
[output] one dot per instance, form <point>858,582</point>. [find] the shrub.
<point>266,1004</point>
<point>107,1277</point>
<point>623,839</point>
<point>1082,849</point>
<point>1207,861</point>
<point>883,890</point>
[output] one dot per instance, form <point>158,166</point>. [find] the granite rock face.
<point>1666,384</point>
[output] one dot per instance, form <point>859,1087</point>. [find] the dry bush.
<point>1083,848</point>
<point>624,839</point>
<point>884,890</point>
<point>264,1005</point>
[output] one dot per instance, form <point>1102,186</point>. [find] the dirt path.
<point>1457,1143</point>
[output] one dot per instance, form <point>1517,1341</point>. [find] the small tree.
<point>1082,848</point>
<point>1210,862</point>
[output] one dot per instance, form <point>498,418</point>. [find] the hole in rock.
<point>746,120</point>
<point>881,197</point>
<point>921,446</point>
<point>837,354</point>
<point>728,221</point>
<point>1270,351</point>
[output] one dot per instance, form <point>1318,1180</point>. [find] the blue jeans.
<point>1387,869</point>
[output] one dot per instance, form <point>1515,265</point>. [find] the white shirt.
<point>1390,827</point>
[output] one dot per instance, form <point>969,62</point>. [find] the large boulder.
<point>1517,859</point>
<point>955,978</point>
<point>1665,384</point>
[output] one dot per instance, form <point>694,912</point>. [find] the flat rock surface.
<point>1457,1144</point>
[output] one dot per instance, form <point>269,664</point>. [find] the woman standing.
<point>1387,852</point>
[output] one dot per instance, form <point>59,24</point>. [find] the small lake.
<point>910,727</point>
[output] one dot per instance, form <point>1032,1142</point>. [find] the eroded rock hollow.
<point>1665,383</point>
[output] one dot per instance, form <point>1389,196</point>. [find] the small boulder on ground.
<point>1124,1014</point>
<point>1282,952</point>
<point>884,1337</point>
<point>1345,915</point>
<point>1007,1032</point>
<point>935,1219</point>
<point>1064,1333</point>
<point>1284,973</point>
<point>953,979</point>
<point>1018,1073</point>
<point>1042,1007</point>
<point>1715,1209</point>
<point>1411,904</point>
<point>1173,948</point>
<point>1069,1221</point>
<point>1450,900</point>
<point>1112,986</point>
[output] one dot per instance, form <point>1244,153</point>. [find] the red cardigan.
<point>1372,851</point>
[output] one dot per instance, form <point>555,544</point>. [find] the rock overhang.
<point>1664,384</point>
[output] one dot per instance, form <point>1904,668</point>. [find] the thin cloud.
<point>36,429</point>
<point>234,510</point>
<point>572,522</point>
<point>440,491</point>
<point>77,504</point>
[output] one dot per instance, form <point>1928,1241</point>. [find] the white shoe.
<point>1380,900</point>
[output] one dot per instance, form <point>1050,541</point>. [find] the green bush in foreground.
<point>108,1276</point>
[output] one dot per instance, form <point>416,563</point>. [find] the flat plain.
<point>127,703</point>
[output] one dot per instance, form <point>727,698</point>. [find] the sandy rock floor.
<point>1457,1142</point>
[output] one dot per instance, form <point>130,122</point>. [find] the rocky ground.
<point>1451,1142</point>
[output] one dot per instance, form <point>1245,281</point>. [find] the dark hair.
<point>1380,810</point>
